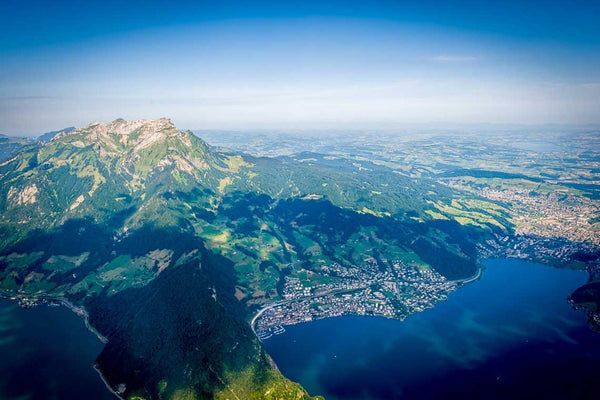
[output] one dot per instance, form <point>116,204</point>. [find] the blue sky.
<point>248,65</point>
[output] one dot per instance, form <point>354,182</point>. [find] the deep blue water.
<point>509,335</point>
<point>47,353</point>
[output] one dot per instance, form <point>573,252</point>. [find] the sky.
<point>298,64</point>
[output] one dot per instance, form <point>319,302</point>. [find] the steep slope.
<point>83,220</point>
<point>48,136</point>
<point>100,169</point>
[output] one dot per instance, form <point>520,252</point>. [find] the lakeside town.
<point>394,292</point>
<point>555,215</point>
<point>553,229</point>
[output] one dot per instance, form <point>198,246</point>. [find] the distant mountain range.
<point>9,145</point>
<point>48,136</point>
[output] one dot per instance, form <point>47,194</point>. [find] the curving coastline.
<point>81,312</point>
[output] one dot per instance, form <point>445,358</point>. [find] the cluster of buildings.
<point>556,214</point>
<point>394,292</point>
<point>546,249</point>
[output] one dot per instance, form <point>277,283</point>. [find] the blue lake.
<point>47,353</point>
<point>509,335</point>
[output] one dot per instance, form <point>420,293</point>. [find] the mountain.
<point>9,145</point>
<point>46,137</point>
<point>170,246</point>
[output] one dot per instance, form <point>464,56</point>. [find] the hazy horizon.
<point>313,65</point>
<point>355,129</point>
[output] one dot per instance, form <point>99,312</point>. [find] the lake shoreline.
<point>461,281</point>
<point>81,312</point>
<point>474,335</point>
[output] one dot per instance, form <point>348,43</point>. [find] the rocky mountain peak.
<point>126,128</point>
<point>133,150</point>
<point>120,135</point>
<point>123,127</point>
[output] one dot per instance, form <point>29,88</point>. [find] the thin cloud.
<point>28,98</point>
<point>449,58</point>
<point>590,85</point>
